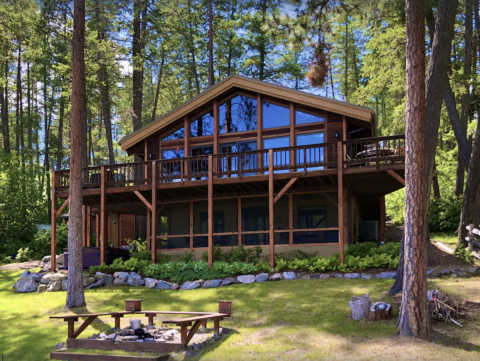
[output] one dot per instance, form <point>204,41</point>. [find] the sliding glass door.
<point>230,163</point>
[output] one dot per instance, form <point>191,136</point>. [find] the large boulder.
<point>46,260</point>
<point>276,277</point>
<point>37,276</point>
<point>60,259</point>
<point>25,284</point>
<point>351,275</point>
<point>190,285</point>
<point>175,287</point>
<point>163,285</point>
<point>108,280</point>
<point>58,277</point>
<point>261,277</point>
<point>87,281</point>
<point>42,288</point>
<point>150,282</point>
<point>386,275</point>
<point>97,284</point>
<point>228,281</point>
<point>118,282</point>
<point>212,284</point>
<point>324,276</point>
<point>100,275</point>
<point>367,276</point>
<point>246,279</point>
<point>122,275</point>
<point>25,273</point>
<point>54,286</point>
<point>134,279</point>
<point>289,276</point>
<point>64,285</point>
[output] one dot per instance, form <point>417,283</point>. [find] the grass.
<point>448,238</point>
<point>302,319</point>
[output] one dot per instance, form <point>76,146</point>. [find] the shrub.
<point>464,254</point>
<point>24,255</point>
<point>40,246</point>
<point>444,214</point>
<point>138,250</point>
<point>242,254</point>
<point>217,254</point>
<point>365,249</point>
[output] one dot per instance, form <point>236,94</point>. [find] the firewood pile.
<point>447,309</point>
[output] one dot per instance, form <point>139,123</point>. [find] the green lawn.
<point>303,319</point>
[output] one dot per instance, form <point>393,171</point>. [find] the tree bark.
<point>192,49</point>
<point>414,318</point>
<point>211,76</point>
<point>467,70</point>
<point>4,104</point>
<point>138,60</point>
<point>261,75</point>
<point>60,132</point>
<point>18,99</point>
<point>436,187</point>
<point>75,294</point>
<point>159,81</point>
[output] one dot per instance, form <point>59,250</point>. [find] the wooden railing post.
<point>53,242</point>
<point>154,213</point>
<point>210,211</point>
<point>103,216</point>
<point>340,199</point>
<point>271,209</point>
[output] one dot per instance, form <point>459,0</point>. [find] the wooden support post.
<point>119,231</point>
<point>89,226</point>
<point>117,235</point>
<point>150,319</point>
<point>344,137</point>
<point>270,209</point>
<point>117,321</point>
<point>345,216</point>
<point>216,326</point>
<point>154,213</point>
<point>53,242</point>
<point>340,199</point>
<point>149,240</point>
<point>71,327</point>
<point>103,216</point>
<point>239,220</point>
<point>210,211</point>
<point>259,129</point>
<point>396,176</point>
<point>216,121</point>
<point>290,219</point>
<point>382,219</point>
<point>62,207</point>
<point>284,189</point>
<point>183,334</point>
<point>84,226</point>
<point>191,224</point>
<point>145,158</point>
<point>97,230</point>
<point>292,136</point>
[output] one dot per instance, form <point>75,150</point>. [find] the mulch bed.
<point>437,258</point>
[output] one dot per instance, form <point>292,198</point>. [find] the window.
<point>173,153</point>
<point>255,219</point>
<point>238,114</point>
<point>312,217</point>
<point>202,126</point>
<point>306,118</point>
<point>275,116</point>
<point>200,166</point>
<point>171,171</point>
<point>229,164</point>
<point>311,155</point>
<point>218,222</point>
<point>178,134</point>
<point>282,158</point>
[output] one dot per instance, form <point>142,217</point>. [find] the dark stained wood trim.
<point>271,222</point>
<point>284,189</point>
<point>396,176</point>
<point>210,211</point>
<point>62,207</point>
<point>84,226</point>
<point>292,134</point>
<point>340,198</point>
<point>53,241</point>
<point>103,215</point>
<point>148,235</point>
<point>89,230</point>
<point>142,198</point>
<point>239,220</point>
<point>154,212</point>
<point>259,127</point>
<point>191,223</point>
<point>382,219</point>
<point>290,219</point>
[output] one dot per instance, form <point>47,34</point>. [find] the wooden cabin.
<point>248,163</point>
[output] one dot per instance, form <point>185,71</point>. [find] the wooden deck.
<point>369,168</point>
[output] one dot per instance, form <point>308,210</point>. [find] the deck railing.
<point>366,152</point>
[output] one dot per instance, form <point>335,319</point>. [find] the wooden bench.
<point>71,319</point>
<point>186,335</point>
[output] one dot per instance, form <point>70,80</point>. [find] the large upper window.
<point>275,115</point>
<point>311,155</point>
<point>282,157</point>
<point>306,118</point>
<point>178,134</point>
<point>202,126</point>
<point>173,153</point>
<point>238,114</point>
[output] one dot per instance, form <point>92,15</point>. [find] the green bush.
<point>40,246</point>
<point>138,250</point>
<point>444,214</point>
<point>366,249</point>
<point>464,254</point>
<point>24,255</point>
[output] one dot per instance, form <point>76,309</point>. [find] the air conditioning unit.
<point>369,231</point>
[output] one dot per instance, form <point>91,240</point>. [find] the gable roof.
<point>238,81</point>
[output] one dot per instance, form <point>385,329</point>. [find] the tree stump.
<point>360,307</point>
<point>380,311</point>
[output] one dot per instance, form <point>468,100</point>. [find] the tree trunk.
<point>346,60</point>
<point>4,104</point>
<point>211,77</point>
<point>192,49</point>
<point>398,284</point>
<point>138,59</point>
<point>436,187</point>
<point>261,75</point>
<point>467,70</point>
<point>18,100</point>
<point>159,81</point>
<point>414,318</point>
<point>75,294</point>
<point>29,113</point>
<point>85,121</point>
